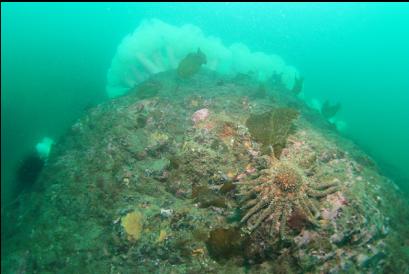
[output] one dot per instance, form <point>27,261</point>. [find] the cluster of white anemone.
<point>156,46</point>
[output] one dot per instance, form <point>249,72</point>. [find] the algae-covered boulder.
<point>272,128</point>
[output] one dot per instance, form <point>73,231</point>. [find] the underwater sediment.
<point>207,173</point>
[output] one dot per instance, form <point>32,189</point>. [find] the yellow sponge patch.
<point>133,223</point>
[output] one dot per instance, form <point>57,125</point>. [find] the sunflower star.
<point>279,192</point>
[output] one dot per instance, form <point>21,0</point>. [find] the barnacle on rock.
<point>278,193</point>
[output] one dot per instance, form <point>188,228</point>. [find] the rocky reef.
<point>205,175</point>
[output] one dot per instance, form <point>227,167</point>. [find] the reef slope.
<point>169,179</point>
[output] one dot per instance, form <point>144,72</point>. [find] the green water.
<point>55,58</point>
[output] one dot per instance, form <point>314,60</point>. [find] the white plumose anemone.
<point>156,46</point>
